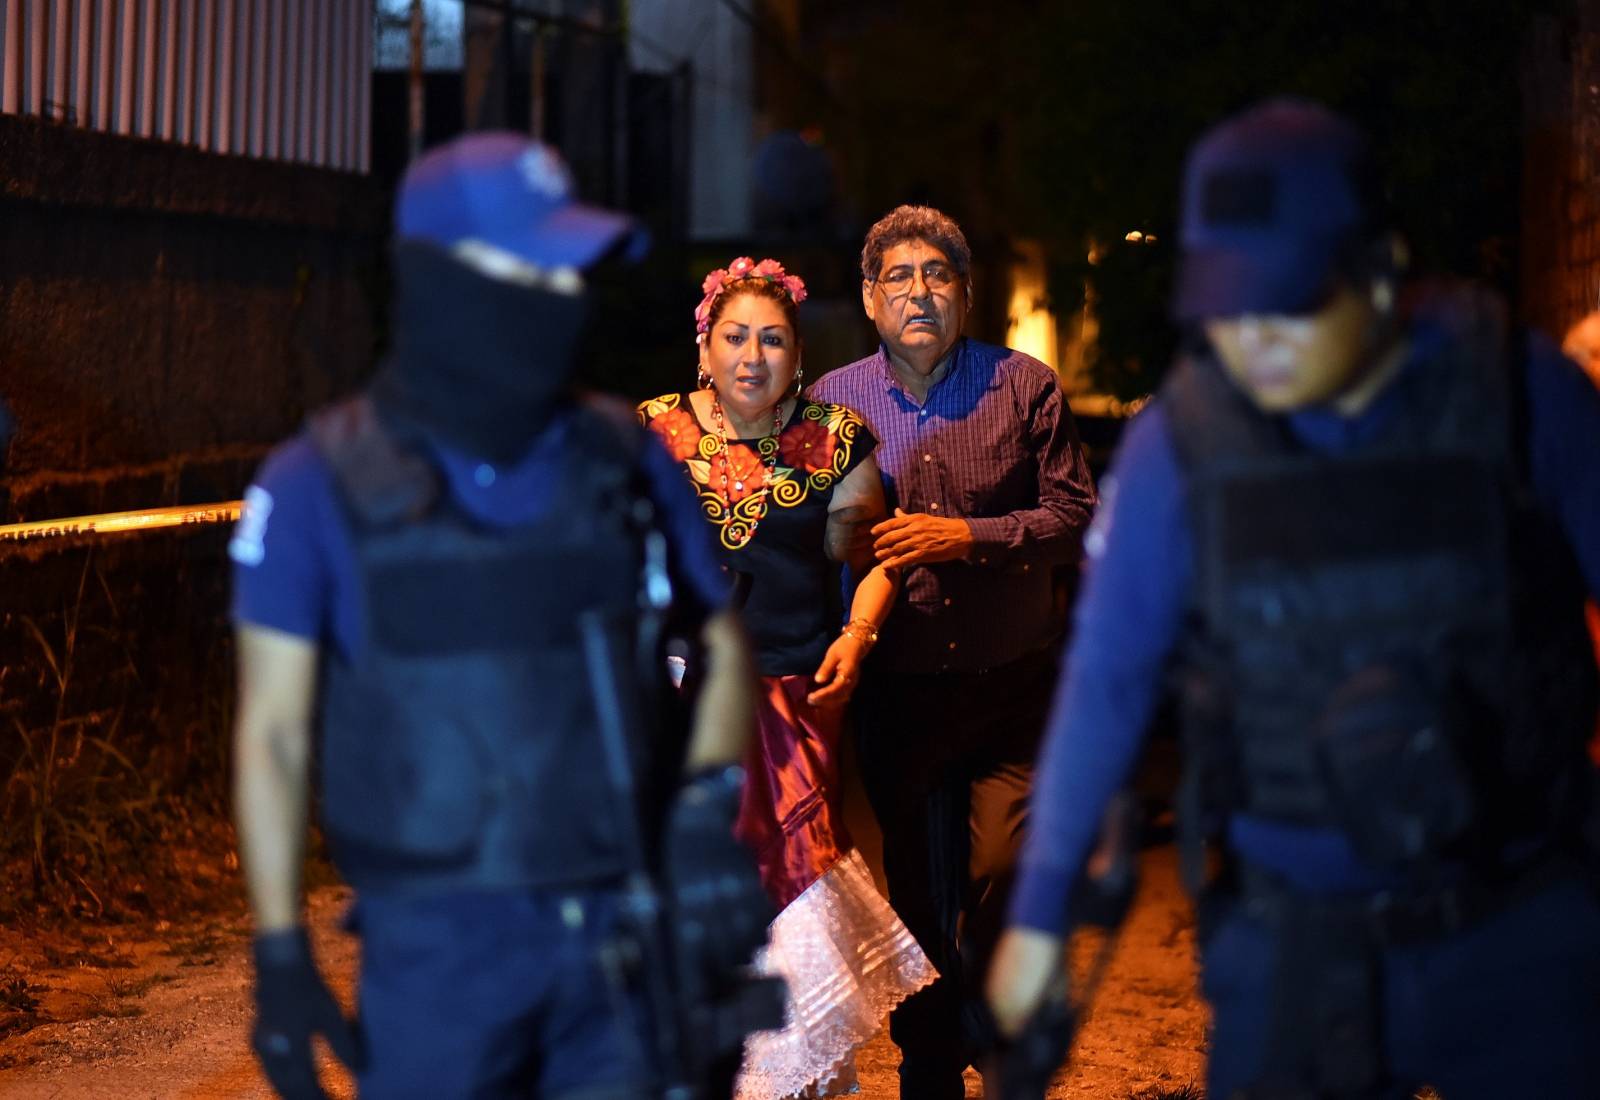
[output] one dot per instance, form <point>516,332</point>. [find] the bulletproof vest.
<point>1387,641</point>
<point>458,745</point>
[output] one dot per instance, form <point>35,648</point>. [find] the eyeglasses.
<point>896,282</point>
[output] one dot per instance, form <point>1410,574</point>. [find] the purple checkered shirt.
<point>993,444</point>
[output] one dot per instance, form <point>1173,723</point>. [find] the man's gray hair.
<point>915,223</point>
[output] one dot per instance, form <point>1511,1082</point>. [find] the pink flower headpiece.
<point>742,268</point>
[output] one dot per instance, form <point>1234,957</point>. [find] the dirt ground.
<point>164,1016</point>
<point>157,1018</point>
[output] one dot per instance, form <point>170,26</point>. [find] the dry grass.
<point>116,698</point>
<point>1190,1091</point>
<point>19,1003</point>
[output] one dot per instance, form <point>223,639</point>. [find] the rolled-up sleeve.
<point>281,576</point>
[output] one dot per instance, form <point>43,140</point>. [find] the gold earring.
<point>704,380</point>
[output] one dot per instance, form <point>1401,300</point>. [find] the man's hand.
<point>919,538</point>
<point>720,911</point>
<point>1026,962</point>
<point>292,1005</point>
<point>836,676</point>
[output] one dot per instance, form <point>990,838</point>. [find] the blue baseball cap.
<point>510,192</point>
<point>1272,198</point>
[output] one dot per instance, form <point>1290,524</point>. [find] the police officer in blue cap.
<point>1359,524</point>
<point>423,579</point>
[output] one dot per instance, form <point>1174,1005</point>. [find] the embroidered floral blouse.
<point>793,607</point>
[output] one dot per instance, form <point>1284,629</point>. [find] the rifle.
<point>1025,1064</point>
<point>698,1031</point>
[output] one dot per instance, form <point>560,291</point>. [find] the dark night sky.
<point>1067,122</point>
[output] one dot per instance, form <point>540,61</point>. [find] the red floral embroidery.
<point>806,446</point>
<point>746,473</point>
<point>679,432</point>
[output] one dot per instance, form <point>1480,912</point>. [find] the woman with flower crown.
<point>792,488</point>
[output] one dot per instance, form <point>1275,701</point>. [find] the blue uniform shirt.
<point>1141,564</point>
<point>294,561</point>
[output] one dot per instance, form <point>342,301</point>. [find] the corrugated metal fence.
<point>278,79</point>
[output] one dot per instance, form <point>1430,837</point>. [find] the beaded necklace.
<point>766,448</point>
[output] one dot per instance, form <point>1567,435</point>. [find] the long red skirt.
<point>845,957</point>
<point>790,815</point>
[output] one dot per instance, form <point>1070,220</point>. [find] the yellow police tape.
<point>117,522</point>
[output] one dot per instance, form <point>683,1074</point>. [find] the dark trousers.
<point>498,996</point>
<point>947,762</point>
<point>1508,1007</point>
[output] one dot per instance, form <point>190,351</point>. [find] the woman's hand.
<point>836,676</point>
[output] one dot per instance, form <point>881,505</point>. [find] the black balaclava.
<point>478,364</point>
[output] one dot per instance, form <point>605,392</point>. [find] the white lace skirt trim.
<point>847,960</point>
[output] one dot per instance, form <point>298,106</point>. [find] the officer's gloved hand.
<point>1103,893</point>
<point>292,1005</point>
<point>720,910</point>
<point>1021,1067</point>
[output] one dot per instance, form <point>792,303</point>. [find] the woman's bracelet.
<point>863,631</point>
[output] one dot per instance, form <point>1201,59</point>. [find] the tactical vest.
<point>459,747</point>
<point>1387,641</point>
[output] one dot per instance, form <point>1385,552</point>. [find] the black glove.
<point>1103,894</point>
<point>293,1004</point>
<point>720,910</point>
<point>1024,1066</point>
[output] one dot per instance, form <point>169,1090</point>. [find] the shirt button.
<point>1025,567</point>
<point>927,458</point>
<point>484,475</point>
<point>952,645</point>
<point>983,561</point>
<point>947,601</point>
<point>924,412</point>
<point>934,507</point>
